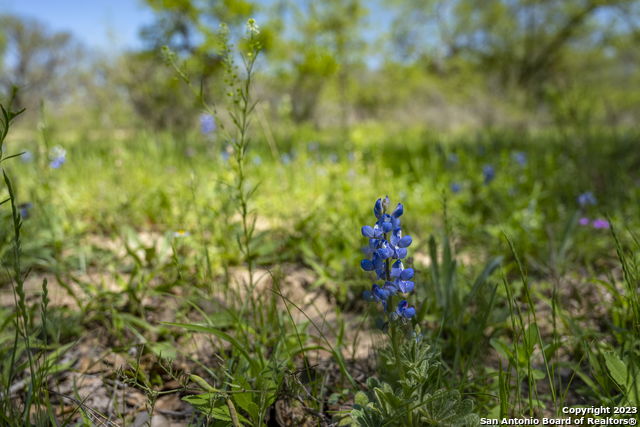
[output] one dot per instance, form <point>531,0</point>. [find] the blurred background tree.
<point>445,64</point>
<point>189,28</point>
<point>37,60</point>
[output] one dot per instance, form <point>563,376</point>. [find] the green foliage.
<point>410,393</point>
<point>155,93</point>
<point>28,342</point>
<point>626,376</point>
<point>464,310</point>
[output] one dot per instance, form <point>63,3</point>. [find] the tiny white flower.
<point>252,27</point>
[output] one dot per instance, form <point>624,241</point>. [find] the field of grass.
<point>153,279</point>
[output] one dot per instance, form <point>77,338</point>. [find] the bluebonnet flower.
<point>386,243</point>
<point>286,158</point>
<point>519,157</point>
<point>583,221</point>
<point>378,294</point>
<point>226,152</point>
<point>587,198</point>
<point>455,187</point>
<point>404,311</point>
<point>402,277</point>
<point>488,173</point>
<point>207,124</point>
<point>27,156</point>
<point>24,209</point>
<point>58,157</point>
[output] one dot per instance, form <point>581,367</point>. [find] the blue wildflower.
<point>600,224</point>
<point>519,157</point>
<point>207,124</point>
<point>25,209</point>
<point>587,198</point>
<point>456,187</point>
<point>489,173</point>
<point>386,243</point>
<point>58,157</point>
<point>377,294</point>
<point>27,156</point>
<point>404,311</point>
<point>402,276</point>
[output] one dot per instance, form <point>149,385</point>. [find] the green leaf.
<point>537,374</point>
<point>617,368</point>
<point>245,402</point>
<point>502,348</point>
<point>361,399</point>
<point>163,349</point>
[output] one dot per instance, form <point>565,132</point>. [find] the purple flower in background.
<point>488,173</point>
<point>455,187</point>
<point>27,156</point>
<point>225,154</point>
<point>207,124</point>
<point>519,157</point>
<point>600,224</point>
<point>58,157</point>
<point>286,158</point>
<point>587,198</point>
<point>25,209</point>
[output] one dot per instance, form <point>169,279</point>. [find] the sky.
<point>112,26</point>
<point>102,24</point>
